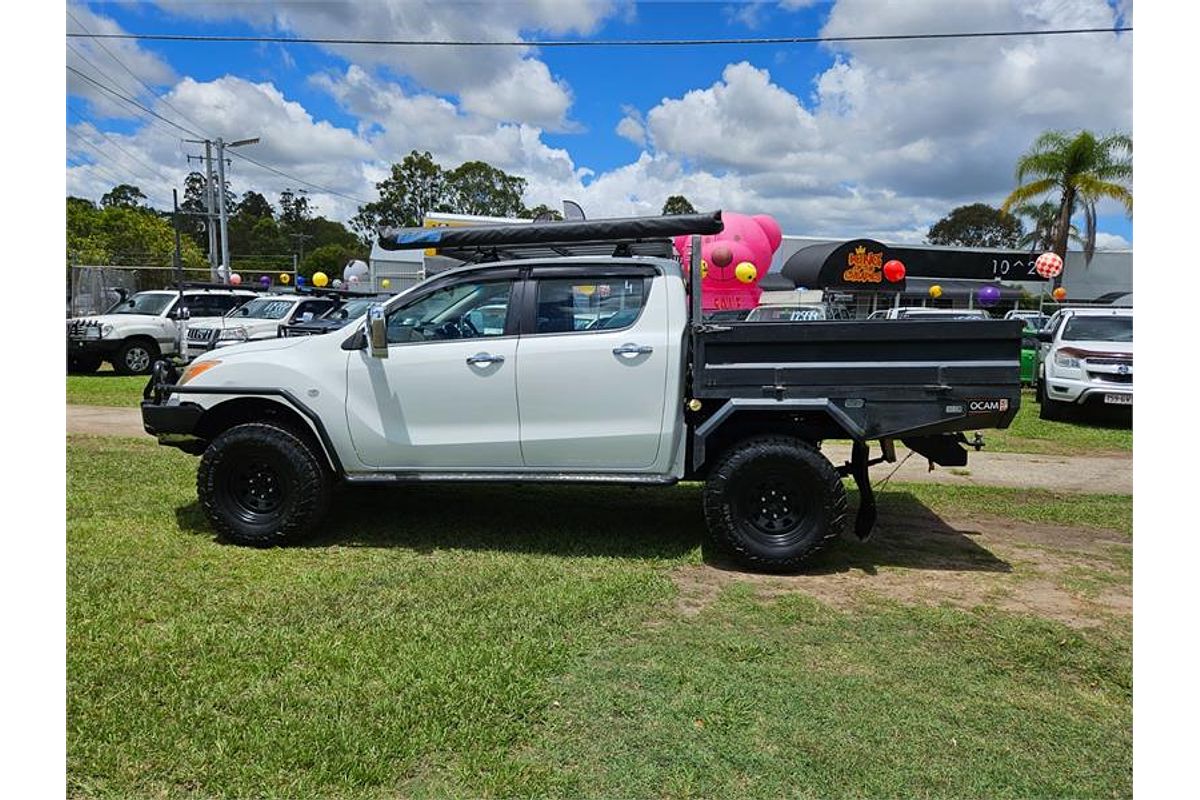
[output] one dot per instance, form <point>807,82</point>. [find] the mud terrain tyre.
<point>773,502</point>
<point>262,486</point>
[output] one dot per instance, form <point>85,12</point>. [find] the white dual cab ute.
<point>1085,359</point>
<point>261,318</point>
<point>136,332</point>
<point>577,352</point>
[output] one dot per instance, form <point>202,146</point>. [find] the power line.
<point>114,57</point>
<point>767,40</point>
<point>153,169</point>
<point>103,168</point>
<point>268,167</point>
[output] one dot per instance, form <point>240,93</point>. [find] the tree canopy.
<point>677,204</point>
<point>977,225</point>
<point>120,234</point>
<point>1080,170</point>
<point>123,196</point>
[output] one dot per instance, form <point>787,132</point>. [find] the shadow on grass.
<point>620,522</point>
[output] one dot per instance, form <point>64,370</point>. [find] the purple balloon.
<point>264,280</point>
<point>988,296</point>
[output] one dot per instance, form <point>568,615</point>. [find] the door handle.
<point>632,350</point>
<point>485,358</point>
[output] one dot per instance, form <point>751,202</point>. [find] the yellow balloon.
<point>745,272</point>
<point>320,279</point>
<point>703,268</point>
<point>935,291</point>
<point>284,278</point>
<point>386,283</point>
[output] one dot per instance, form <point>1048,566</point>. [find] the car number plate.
<point>1119,399</point>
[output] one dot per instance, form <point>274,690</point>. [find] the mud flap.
<point>864,521</point>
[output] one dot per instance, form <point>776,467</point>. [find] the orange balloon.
<point>1060,293</point>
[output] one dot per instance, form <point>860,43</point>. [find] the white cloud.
<point>508,84</point>
<point>118,63</point>
<point>1111,241</point>
<point>632,126</point>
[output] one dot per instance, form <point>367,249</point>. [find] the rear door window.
<point>568,305</point>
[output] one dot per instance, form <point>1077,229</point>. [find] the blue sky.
<point>875,139</point>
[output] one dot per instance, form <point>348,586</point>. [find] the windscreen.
<point>263,308</point>
<point>1098,329</point>
<point>352,309</point>
<point>144,303</point>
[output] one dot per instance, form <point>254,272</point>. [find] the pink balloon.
<point>745,239</point>
<point>235,279</point>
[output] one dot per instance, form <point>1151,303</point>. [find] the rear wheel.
<point>135,357</point>
<point>773,502</point>
<point>261,485</point>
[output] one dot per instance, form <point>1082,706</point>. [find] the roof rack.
<point>620,237</point>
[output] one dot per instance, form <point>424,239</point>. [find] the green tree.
<point>1044,218</point>
<point>542,210</point>
<point>254,205</point>
<point>478,188</point>
<point>677,204</point>
<point>976,225</point>
<point>294,207</point>
<point>123,196</point>
<point>1082,170</point>
<point>416,186</point>
<point>330,259</point>
<point>122,235</point>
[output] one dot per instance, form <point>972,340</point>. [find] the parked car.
<point>1086,358</point>
<point>918,312</point>
<point>420,391</point>
<point>1032,318</point>
<point>261,318</point>
<point>344,311</point>
<point>137,331</point>
<point>798,312</point>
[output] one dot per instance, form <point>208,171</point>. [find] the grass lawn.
<point>106,389</point>
<point>1081,436</point>
<point>494,641</point>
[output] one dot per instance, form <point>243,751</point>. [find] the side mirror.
<point>377,331</point>
<point>182,314</point>
<point>1045,336</point>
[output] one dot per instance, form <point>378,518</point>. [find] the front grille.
<point>77,328</point>
<point>1107,361</point>
<point>1111,377</point>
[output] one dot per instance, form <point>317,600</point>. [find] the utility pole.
<point>221,145</point>
<point>208,204</point>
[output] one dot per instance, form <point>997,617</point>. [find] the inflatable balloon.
<point>988,295</point>
<point>894,270</point>
<point>320,279</point>
<point>264,281</point>
<point>935,291</point>
<point>299,280</point>
<point>356,269</point>
<point>337,283</point>
<point>235,279</point>
<point>733,261</point>
<point>1048,265</point>
<point>284,278</point>
<point>386,283</point>
<point>353,279</point>
<point>1060,293</point>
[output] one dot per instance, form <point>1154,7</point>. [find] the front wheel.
<point>773,502</point>
<point>135,357</point>
<point>261,485</point>
<point>1052,410</point>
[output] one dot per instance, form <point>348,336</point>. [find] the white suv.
<point>1086,357</point>
<point>135,332</point>
<point>261,318</point>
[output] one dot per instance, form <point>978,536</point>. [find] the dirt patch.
<point>965,562</point>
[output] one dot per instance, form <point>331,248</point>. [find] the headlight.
<point>106,330</point>
<point>234,334</point>
<point>196,369</point>
<point>1066,360</point>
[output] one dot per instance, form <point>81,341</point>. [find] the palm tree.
<point>1044,216</point>
<point>1083,170</point>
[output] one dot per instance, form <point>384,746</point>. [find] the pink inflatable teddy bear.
<point>733,261</point>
